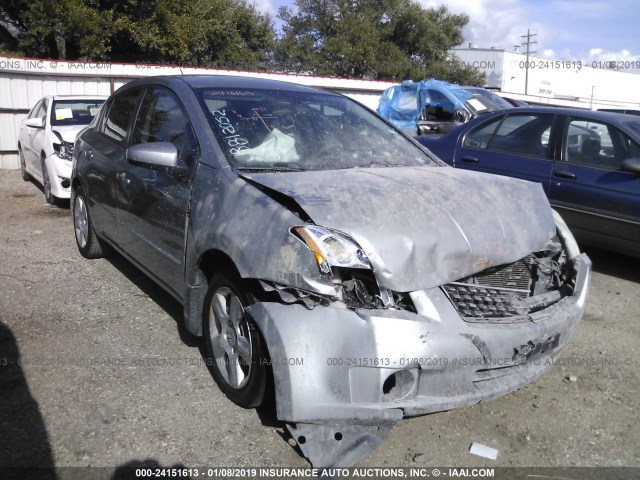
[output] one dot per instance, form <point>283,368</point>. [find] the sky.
<point>586,30</point>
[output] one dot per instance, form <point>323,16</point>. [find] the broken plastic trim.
<point>337,446</point>
<point>361,290</point>
<point>357,289</point>
<point>63,149</point>
<point>511,293</point>
<point>294,295</point>
<point>568,240</point>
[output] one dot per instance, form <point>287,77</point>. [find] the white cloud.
<point>502,23</point>
<point>263,6</point>
<point>496,23</point>
<point>600,54</point>
<point>622,60</point>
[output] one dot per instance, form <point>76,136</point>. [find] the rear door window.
<point>480,136</point>
<point>516,134</point>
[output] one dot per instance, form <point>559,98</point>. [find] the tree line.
<point>369,39</point>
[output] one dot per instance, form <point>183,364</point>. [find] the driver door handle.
<point>470,159</point>
<point>565,174</point>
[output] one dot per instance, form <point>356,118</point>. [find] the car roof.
<point>78,97</point>
<point>227,81</point>
<point>592,114</point>
<point>620,119</point>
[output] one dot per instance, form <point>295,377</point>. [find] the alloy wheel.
<point>80,221</point>
<point>230,337</point>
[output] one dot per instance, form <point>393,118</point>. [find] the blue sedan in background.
<point>588,163</point>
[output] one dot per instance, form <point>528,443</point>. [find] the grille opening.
<point>509,293</point>
<point>517,275</point>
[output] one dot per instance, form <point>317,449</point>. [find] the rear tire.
<point>86,238</point>
<point>236,350</point>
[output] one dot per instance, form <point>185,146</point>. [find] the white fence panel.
<point>24,81</point>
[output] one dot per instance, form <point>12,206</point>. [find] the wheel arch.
<point>210,262</point>
<point>43,164</point>
<point>75,183</point>
<point>26,176</point>
<point>216,261</point>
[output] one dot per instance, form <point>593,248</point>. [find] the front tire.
<point>88,243</point>
<point>235,348</point>
<point>46,184</point>
<point>23,166</point>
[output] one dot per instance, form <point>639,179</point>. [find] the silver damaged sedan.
<point>328,261</point>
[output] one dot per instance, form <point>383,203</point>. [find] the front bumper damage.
<point>59,175</point>
<point>343,377</point>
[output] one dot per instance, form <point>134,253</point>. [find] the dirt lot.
<point>108,377</point>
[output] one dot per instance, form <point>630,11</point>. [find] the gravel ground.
<point>108,377</point>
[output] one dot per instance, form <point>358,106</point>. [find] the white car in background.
<point>46,138</point>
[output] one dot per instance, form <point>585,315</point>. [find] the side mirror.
<point>35,122</point>
<point>631,165</point>
<point>154,154</point>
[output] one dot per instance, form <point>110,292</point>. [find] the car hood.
<point>422,226</point>
<point>68,132</point>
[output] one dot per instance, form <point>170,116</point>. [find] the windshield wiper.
<point>273,168</point>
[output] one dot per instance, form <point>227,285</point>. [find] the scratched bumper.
<point>376,366</point>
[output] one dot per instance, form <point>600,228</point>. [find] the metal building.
<point>592,84</point>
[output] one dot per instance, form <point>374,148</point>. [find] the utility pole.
<point>528,44</point>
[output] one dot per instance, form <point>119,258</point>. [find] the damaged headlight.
<point>63,149</point>
<point>331,248</point>
<point>569,241</point>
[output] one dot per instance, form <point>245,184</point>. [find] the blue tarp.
<point>402,104</point>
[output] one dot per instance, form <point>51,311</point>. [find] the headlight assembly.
<point>331,248</point>
<point>63,149</point>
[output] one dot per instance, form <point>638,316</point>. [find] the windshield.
<point>284,130</point>
<point>485,101</point>
<point>74,112</point>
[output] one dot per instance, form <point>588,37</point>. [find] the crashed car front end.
<point>69,115</point>
<point>383,283</point>
<point>365,326</point>
<point>441,348</point>
<point>59,165</point>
